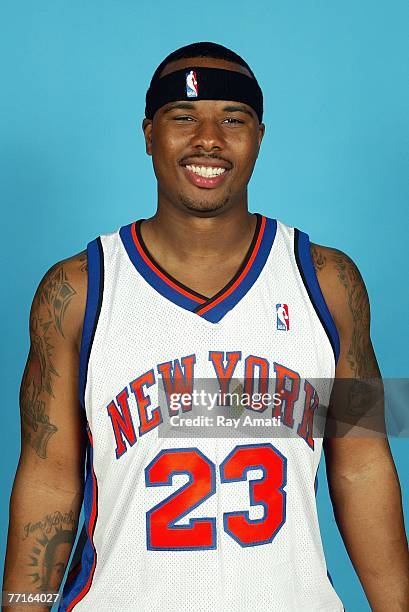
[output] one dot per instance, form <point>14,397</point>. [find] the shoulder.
<point>60,298</point>
<point>342,286</point>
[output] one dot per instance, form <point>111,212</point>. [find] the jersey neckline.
<point>212,309</point>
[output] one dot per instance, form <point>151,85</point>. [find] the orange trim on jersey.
<point>224,295</point>
<point>159,273</point>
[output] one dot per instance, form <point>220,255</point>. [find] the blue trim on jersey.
<point>304,260</point>
<point>93,306</point>
<point>75,586</point>
<point>150,276</point>
<point>216,313</point>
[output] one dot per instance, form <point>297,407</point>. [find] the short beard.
<point>202,205</point>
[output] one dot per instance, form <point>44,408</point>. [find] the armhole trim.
<point>92,309</point>
<point>307,271</point>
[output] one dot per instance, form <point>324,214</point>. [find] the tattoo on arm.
<point>360,354</point>
<point>361,394</point>
<point>50,306</point>
<point>83,260</point>
<point>56,294</point>
<point>53,537</point>
<point>36,428</point>
<point>318,258</point>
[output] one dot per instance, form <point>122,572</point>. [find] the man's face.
<point>203,151</point>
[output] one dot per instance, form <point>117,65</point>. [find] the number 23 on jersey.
<point>200,533</point>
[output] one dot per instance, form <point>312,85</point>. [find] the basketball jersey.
<point>210,518</point>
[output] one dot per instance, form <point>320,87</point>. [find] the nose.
<point>208,135</point>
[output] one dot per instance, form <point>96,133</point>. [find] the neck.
<point>180,235</point>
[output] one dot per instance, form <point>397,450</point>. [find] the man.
<point>198,291</point>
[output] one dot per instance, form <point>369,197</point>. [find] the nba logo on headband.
<point>192,90</point>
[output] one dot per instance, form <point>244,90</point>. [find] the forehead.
<point>206,62</point>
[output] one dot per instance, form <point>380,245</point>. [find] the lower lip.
<point>205,182</point>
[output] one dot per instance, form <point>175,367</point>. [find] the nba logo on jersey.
<point>192,90</point>
<point>283,320</point>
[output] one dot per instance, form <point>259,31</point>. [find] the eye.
<point>233,120</point>
<point>183,118</point>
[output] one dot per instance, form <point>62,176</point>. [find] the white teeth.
<point>206,171</point>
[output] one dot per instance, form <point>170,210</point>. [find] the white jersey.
<point>184,510</point>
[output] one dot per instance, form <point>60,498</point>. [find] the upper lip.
<point>210,162</point>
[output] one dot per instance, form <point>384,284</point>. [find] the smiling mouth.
<point>207,177</point>
<point>206,171</point>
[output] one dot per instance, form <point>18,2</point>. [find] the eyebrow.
<point>228,109</point>
<point>238,107</point>
<point>182,105</point>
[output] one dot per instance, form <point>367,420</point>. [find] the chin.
<point>203,206</point>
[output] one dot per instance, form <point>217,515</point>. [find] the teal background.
<point>333,161</point>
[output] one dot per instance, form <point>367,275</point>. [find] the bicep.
<point>351,311</point>
<point>357,429</point>
<point>52,420</point>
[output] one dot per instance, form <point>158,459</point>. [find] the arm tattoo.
<point>55,295</point>
<point>53,537</point>
<point>49,308</point>
<point>318,258</point>
<point>83,261</point>
<point>36,428</point>
<point>360,355</point>
<point>361,393</point>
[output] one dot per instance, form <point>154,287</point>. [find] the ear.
<point>261,132</point>
<point>147,130</point>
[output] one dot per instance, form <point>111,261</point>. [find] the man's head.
<point>203,150</point>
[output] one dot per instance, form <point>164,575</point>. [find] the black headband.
<point>199,83</point>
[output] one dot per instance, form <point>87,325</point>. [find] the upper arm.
<point>347,299</point>
<point>358,441</point>
<point>52,421</point>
